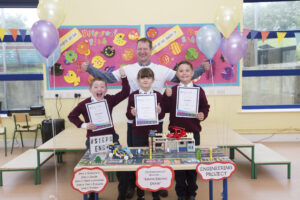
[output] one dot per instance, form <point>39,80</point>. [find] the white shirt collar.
<point>93,99</point>
<point>188,85</point>
<point>143,92</point>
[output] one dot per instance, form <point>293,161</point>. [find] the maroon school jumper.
<point>112,101</point>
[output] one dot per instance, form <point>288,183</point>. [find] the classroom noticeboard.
<point>174,43</point>
<point>107,48</point>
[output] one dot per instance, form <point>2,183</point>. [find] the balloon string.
<point>54,142</point>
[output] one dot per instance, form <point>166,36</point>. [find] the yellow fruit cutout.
<point>98,61</point>
<point>119,39</point>
<point>175,47</point>
<point>72,77</point>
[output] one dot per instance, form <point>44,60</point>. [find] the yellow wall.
<point>224,109</point>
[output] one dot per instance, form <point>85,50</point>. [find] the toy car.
<point>119,152</point>
<point>178,133</point>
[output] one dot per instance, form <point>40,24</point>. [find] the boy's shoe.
<point>130,192</point>
<point>141,198</point>
<point>181,198</point>
<point>191,197</point>
<point>121,198</point>
<point>156,198</point>
<point>163,193</point>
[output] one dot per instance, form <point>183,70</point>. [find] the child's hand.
<point>206,65</point>
<point>91,126</point>
<point>168,91</point>
<point>200,116</point>
<point>133,111</point>
<point>85,64</point>
<point>122,72</point>
<point>158,108</point>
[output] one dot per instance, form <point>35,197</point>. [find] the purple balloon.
<point>44,37</point>
<point>234,47</point>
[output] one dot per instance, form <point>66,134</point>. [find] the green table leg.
<point>231,153</point>
<point>1,182</point>
<point>35,177</point>
<point>289,170</point>
<point>253,167</point>
<point>38,168</point>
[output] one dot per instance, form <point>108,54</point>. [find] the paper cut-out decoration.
<point>264,35</point>
<point>2,32</point>
<point>108,51</point>
<point>191,54</point>
<point>176,48</point>
<point>133,34</point>
<point>83,48</point>
<point>280,36</point>
<point>119,39</point>
<point>228,74</point>
<point>70,56</point>
<point>128,54</point>
<point>165,59</point>
<point>23,33</point>
<point>151,32</point>
<point>72,77</point>
<point>14,33</point>
<point>69,38</point>
<point>98,61</point>
<point>166,39</point>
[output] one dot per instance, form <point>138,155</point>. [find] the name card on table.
<point>154,177</point>
<point>215,170</point>
<point>88,180</point>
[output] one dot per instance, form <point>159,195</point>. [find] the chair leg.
<point>12,146</point>
<point>36,132</point>
<point>5,144</point>
<point>21,138</point>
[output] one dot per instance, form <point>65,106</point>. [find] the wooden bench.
<point>27,161</point>
<point>265,156</point>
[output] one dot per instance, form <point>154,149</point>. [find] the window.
<point>21,71</point>
<point>271,69</point>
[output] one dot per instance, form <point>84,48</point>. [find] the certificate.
<point>146,109</point>
<point>187,102</point>
<point>99,114</point>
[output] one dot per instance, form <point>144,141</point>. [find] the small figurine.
<point>119,152</point>
<point>178,133</point>
<point>97,159</point>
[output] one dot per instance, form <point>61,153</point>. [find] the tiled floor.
<point>271,182</point>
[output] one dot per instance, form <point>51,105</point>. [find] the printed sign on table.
<point>216,170</point>
<point>88,180</point>
<point>99,144</point>
<point>154,177</point>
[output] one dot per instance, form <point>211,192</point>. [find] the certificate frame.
<point>91,110</point>
<point>140,120</point>
<point>180,112</point>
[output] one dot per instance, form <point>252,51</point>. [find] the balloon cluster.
<point>233,45</point>
<point>44,34</point>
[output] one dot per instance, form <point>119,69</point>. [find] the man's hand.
<point>85,64</point>
<point>206,65</point>
<point>168,91</point>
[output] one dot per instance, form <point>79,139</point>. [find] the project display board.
<point>105,47</point>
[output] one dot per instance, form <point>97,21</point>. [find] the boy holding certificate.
<point>96,111</point>
<point>187,105</point>
<point>145,111</point>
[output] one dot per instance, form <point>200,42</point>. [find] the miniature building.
<point>159,142</point>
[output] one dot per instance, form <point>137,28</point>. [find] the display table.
<point>177,161</point>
